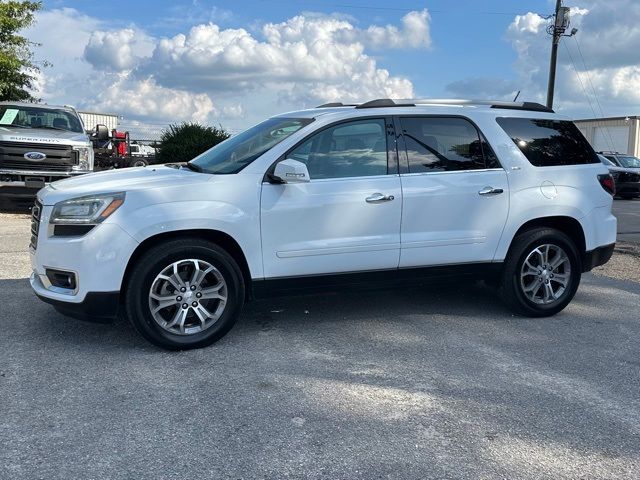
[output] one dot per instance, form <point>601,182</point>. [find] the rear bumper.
<point>99,307</point>
<point>631,189</point>
<point>597,257</point>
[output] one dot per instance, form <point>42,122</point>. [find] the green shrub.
<point>181,143</point>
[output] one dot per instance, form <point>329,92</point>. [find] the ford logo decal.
<point>35,156</point>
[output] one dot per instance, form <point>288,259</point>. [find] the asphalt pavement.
<point>628,214</point>
<point>432,382</point>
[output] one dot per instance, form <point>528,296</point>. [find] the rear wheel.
<point>185,293</point>
<point>139,162</point>
<point>541,273</point>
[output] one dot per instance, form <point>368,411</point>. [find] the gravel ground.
<point>625,263</point>
<point>436,382</point>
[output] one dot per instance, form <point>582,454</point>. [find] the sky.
<point>234,63</point>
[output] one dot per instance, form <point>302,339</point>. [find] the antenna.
<point>517,95</point>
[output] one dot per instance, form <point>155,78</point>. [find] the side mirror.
<point>291,171</point>
<point>102,132</point>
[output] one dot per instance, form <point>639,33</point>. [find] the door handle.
<point>379,198</point>
<point>490,191</point>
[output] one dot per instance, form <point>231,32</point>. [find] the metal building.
<point>91,119</point>
<point>618,134</point>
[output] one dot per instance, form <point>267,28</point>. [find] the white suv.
<point>331,197</point>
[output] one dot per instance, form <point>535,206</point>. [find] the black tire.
<point>138,162</point>
<point>152,262</point>
<point>511,289</point>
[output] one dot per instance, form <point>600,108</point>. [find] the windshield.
<point>237,152</point>
<point>628,161</point>
<point>23,116</point>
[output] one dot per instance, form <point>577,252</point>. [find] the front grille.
<point>58,157</point>
<point>36,213</point>
<point>34,167</point>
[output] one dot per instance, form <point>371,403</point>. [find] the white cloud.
<point>84,71</point>
<point>234,111</point>
<point>529,23</point>
<point>69,73</point>
<point>117,50</point>
<point>608,42</point>
<point>415,33</point>
<point>219,75</point>
<point>146,99</point>
<point>314,51</point>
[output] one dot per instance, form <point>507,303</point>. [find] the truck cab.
<point>40,144</point>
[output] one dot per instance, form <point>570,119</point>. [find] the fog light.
<point>61,279</point>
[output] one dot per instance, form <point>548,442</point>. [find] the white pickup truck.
<point>40,144</point>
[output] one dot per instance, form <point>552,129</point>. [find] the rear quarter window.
<point>549,143</point>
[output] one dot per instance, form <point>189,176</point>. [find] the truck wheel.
<point>139,163</point>
<point>541,273</point>
<point>184,293</point>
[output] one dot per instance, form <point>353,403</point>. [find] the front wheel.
<point>185,293</point>
<point>541,273</point>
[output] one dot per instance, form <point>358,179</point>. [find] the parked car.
<point>40,144</point>
<point>622,159</point>
<point>383,192</point>
<point>627,180</point>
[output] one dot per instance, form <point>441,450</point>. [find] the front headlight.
<point>85,158</point>
<point>88,210</point>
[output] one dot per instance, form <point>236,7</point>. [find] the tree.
<point>181,143</point>
<point>17,67</point>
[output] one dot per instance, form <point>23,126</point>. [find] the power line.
<point>595,95</point>
<point>584,90</point>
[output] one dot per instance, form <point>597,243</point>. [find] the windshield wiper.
<point>194,167</point>
<point>15,126</point>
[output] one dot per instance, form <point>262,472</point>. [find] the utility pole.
<point>560,25</point>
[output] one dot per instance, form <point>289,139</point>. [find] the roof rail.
<point>336,104</point>
<point>386,102</point>
<point>533,106</point>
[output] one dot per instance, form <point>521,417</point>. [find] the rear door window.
<point>549,143</point>
<point>442,144</point>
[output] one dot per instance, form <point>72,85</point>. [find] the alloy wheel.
<point>188,297</point>
<point>545,274</point>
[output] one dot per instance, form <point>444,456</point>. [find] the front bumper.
<point>98,259</point>
<point>25,183</point>
<point>99,307</point>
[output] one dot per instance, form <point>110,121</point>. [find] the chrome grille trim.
<point>36,214</point>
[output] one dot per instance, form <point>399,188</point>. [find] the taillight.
<point>607,183</point>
